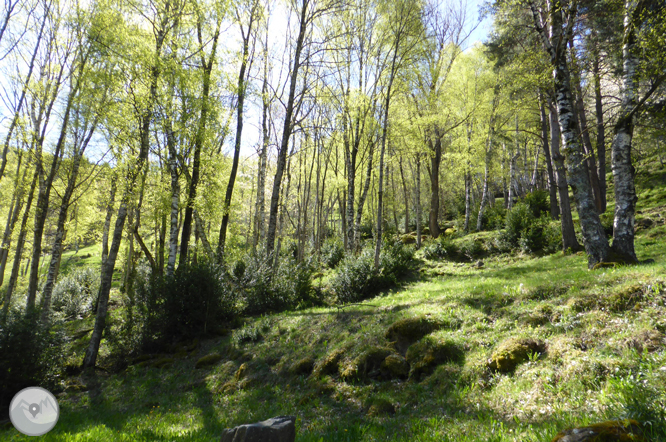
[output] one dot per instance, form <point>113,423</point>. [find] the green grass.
<point>591,371</point>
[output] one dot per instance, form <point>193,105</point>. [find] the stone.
<point>408,239</point>
<point>409,330</point>
<point>479,264</point>
<point>302,367</point>
<point>512,352</point>
<point>207,360</point>
<point>366,365</point>
<point>277,429</point>
<point>610,431</point>
<point>424,356</point>
<point>395,366</point>
<point>328,365</point>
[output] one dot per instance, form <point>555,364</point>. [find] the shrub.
<point>529,233</point>
<point>31,354</point>
<point>538,202</point>
<point>193,302</point>
<point>262,288</point>
<point>357,279</point>
<point>332,252</point>
<point>74,295</point>
<point>471,249</point>
<point>494,217</point>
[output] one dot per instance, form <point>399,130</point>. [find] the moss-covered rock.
<point>646,340</point>
<point>329,364</point>
<point>611,431</point>
<point>241,373</point>
<point>380,406</point>
<point>303,366</point>
<point>408,239</point>
<point>512,352</point>
<point>208,360</point>
<point>366,365</point>
<point>394,366</point>
<point>160,362</point>
<point>409,330</point>
<point>428,353</point>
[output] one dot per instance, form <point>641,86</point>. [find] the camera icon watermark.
<point>34,411</point>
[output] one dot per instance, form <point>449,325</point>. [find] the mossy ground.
<point>592,371</point>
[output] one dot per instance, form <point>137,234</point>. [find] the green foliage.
<point>357,279</point>
<point>529,233</point>
<point>195,301</point>
<point>332,252</point>
<point>494,217</point>
<point>262,288</point>
<point>31,354</point>
<point>538,202</point>
<point>75,294</point>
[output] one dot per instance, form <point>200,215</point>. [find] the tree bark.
<point>435,162</point>
<point>594,237</point>
<point>552,185</point>
<point>107,220</point>
<point>601,131</point>
<point>226,207</point>
<point>20,242</point>
<point>286,130</point>
<point>260,212</point>
<point>569,240</point>
<point>207,66</point>
<point>12,216</point>
<point>418,201</point>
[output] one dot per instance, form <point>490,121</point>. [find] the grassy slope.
<point>589,372</point>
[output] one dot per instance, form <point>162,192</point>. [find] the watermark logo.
<point>34,411</point>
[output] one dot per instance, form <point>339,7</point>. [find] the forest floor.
<point>599,353</point>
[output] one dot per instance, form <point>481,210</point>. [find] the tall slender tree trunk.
<point>552,184</point>
<point>569,240</point>
<point>435,162</point>
<point>594,237</point>
<point>12,216</point>
<point>107,219</point>
<point>406,195</point>
<point>286,130</point>
<point>260,210</point>
<point>175,201</point>
<point>207,66</point>
<point>56,253</point>
<point>468,200</point>
<point>226,207</point>
<point>418,200</point>
<point>623,169</point>
<point>20,242</point>
<point>601,131</point>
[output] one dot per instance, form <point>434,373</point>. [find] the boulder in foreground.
<point>610,431</point>
<point>277,429</point>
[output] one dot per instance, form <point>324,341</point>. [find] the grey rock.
<point>277,429</point>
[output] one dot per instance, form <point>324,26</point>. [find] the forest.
<point>349,211</point>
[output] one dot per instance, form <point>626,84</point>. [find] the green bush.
<point>31,354</point>
<point>494,217</point>
<point>538,202</point>
<point>356,278</point>
<point>262,288</point>
<point>193,302</point>
<point>528,233</point>
<point>74,295</point>
<point>332,252</point>
<point>471,249</point>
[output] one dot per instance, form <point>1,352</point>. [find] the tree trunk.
<point>569,240</point>
<point>362,199</point>
<point>175,201</point>
<point>435,162</point>
<point>12,216</point>
<point>552,186</point>
<point>286,131</point>
<point>226,207</point>
<point>596,243</point>
<point>418,201</point>
<point>260,212</point>
<point>406,194</point>
<point>468,200</point>
<point>485,193</point>
<point>20,241</point>
<point>601,131</point>
<point>107,220</point>
<point>199,139</point>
